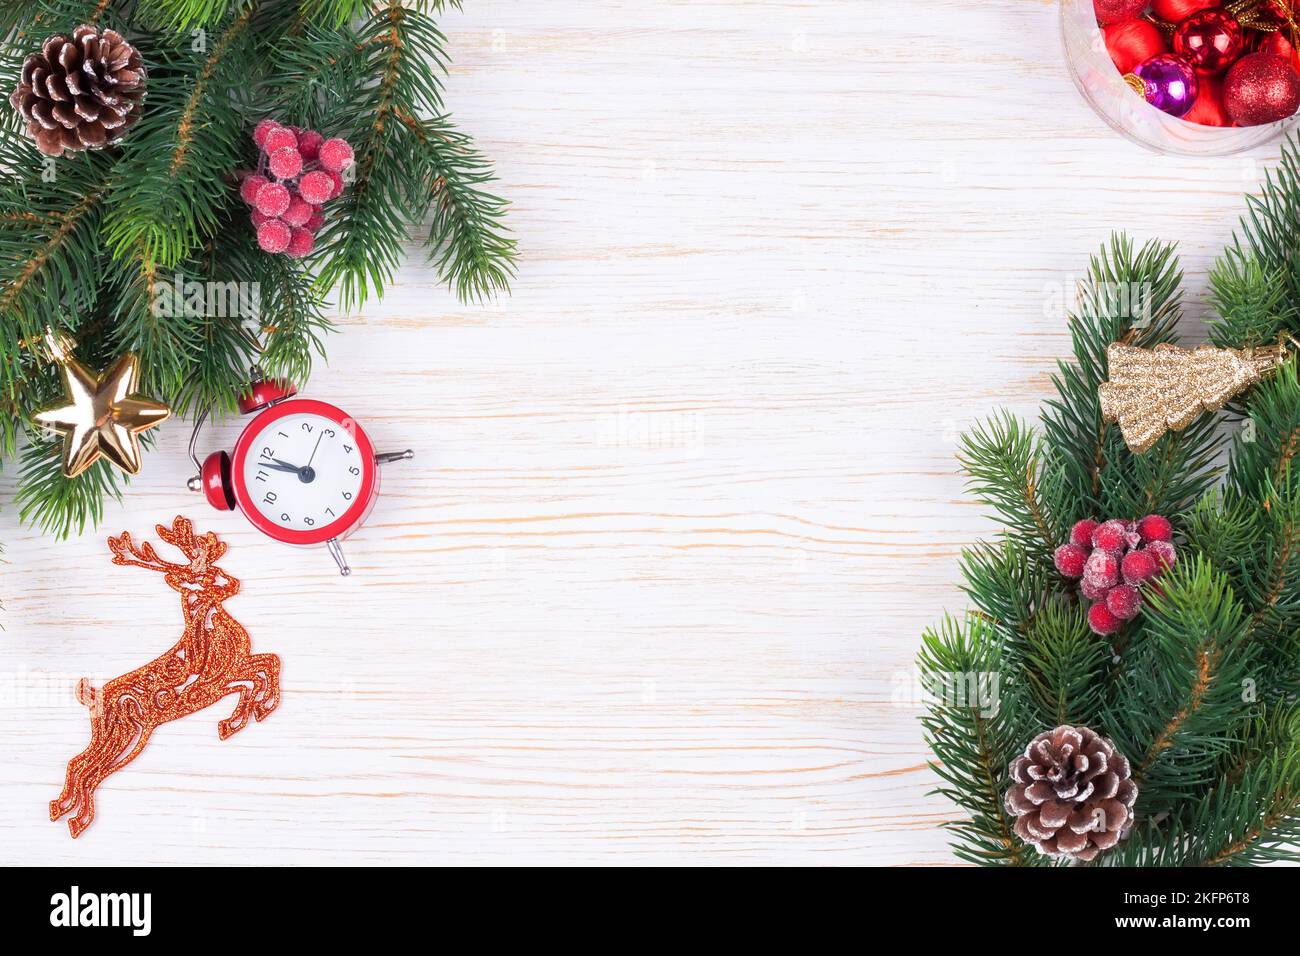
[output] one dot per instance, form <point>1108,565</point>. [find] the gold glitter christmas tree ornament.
<point>102,416</point>
<point>1152,391</point>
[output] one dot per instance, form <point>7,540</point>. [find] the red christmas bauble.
<point>1133,41</point>
<point>1261,88</point>
<point>1211,41</point>
<point>1208,109</point>
<point>1176,11</point>
<point>1280,45</point>
<point>1116,11</point>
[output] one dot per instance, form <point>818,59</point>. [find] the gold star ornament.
<point>102,416</point>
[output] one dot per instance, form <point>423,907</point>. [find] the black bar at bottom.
<point>308,904</point>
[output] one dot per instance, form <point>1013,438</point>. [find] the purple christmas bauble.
<point>1170,82</point>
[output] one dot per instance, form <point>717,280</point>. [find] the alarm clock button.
<point>216,481</point>
<point>265,393</point>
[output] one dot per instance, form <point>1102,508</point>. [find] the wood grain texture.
<point>651,590</point>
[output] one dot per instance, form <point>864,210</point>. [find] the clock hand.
<point>314,450</point>
<point>283,466</point>
<point>306,474</point>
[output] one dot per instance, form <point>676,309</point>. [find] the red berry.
<point>279,138</point>
<point>298,213</point>
<point>1164,554</point>
<point>301,242</point>
<point>1138,566</point>
<point>1070,559</point>
<point>1081,533</point>
<point>263,129</point>
<point>1155,528</point>
<point>1111,536</point>
<point>1124,601</point>
<point>249,187</point>
<point>1102,621</point>
<point>315,222</point>
<point>315,187</point>
<point>1101,570</point>
<point>309,144</point>
<point>1093,592</point>
<point>337,185</point>
<point>257,218</point>
<point>273,236</point>
<point>286,163</point>
<point>272,199</point>
<point>336,155</point>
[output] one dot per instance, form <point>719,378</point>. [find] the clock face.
<point>303,472</point>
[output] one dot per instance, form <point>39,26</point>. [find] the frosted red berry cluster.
<point>298,171</point>
<point>1113,561</point>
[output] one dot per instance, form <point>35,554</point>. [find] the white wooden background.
<point>683,503</point>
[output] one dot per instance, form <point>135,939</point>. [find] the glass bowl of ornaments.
<point>1188,77</point>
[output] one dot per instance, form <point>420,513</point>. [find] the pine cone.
<point>1073,793</point>
<point>83,93</point>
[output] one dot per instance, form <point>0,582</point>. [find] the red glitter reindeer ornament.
<point>210,661</point>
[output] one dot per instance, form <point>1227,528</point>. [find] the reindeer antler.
<point>202,550</point>
<point>126,551</point>
<point>180,534</point>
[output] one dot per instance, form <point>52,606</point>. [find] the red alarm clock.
<point>302,471</point>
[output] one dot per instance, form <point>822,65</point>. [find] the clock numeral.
<point>347,496</point>
<point>284,516</point>
<point>261,475</point>
<point>282,434</point>
<point>330,512</point>
<point>348,449</point>
<point>328,431</point>
<point>270,497</point>
<point>306,426</point>
<point>354,470</point>
<point>268,451</point>
<point>309,522</point>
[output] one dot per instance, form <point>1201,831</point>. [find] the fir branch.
<point>58,505</point>
<point>1065,664</point>
<point>173,185</point>
<point>50,248</point>
<point>366,237</point>
<point>184,15</point>
<point>974,727</point>
<point>1249,817</point>
<point>407,163</point>
<point>166,346</point>
<point>1190,668</point>
<point>1253,815</point>
<point>467,240</point>
<point>1004,585</point>
<point>1002,459</point>
<point>1263,487</point>
<point>41,256</point>
<point>1251,301</point>
<point>1269,239</point>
